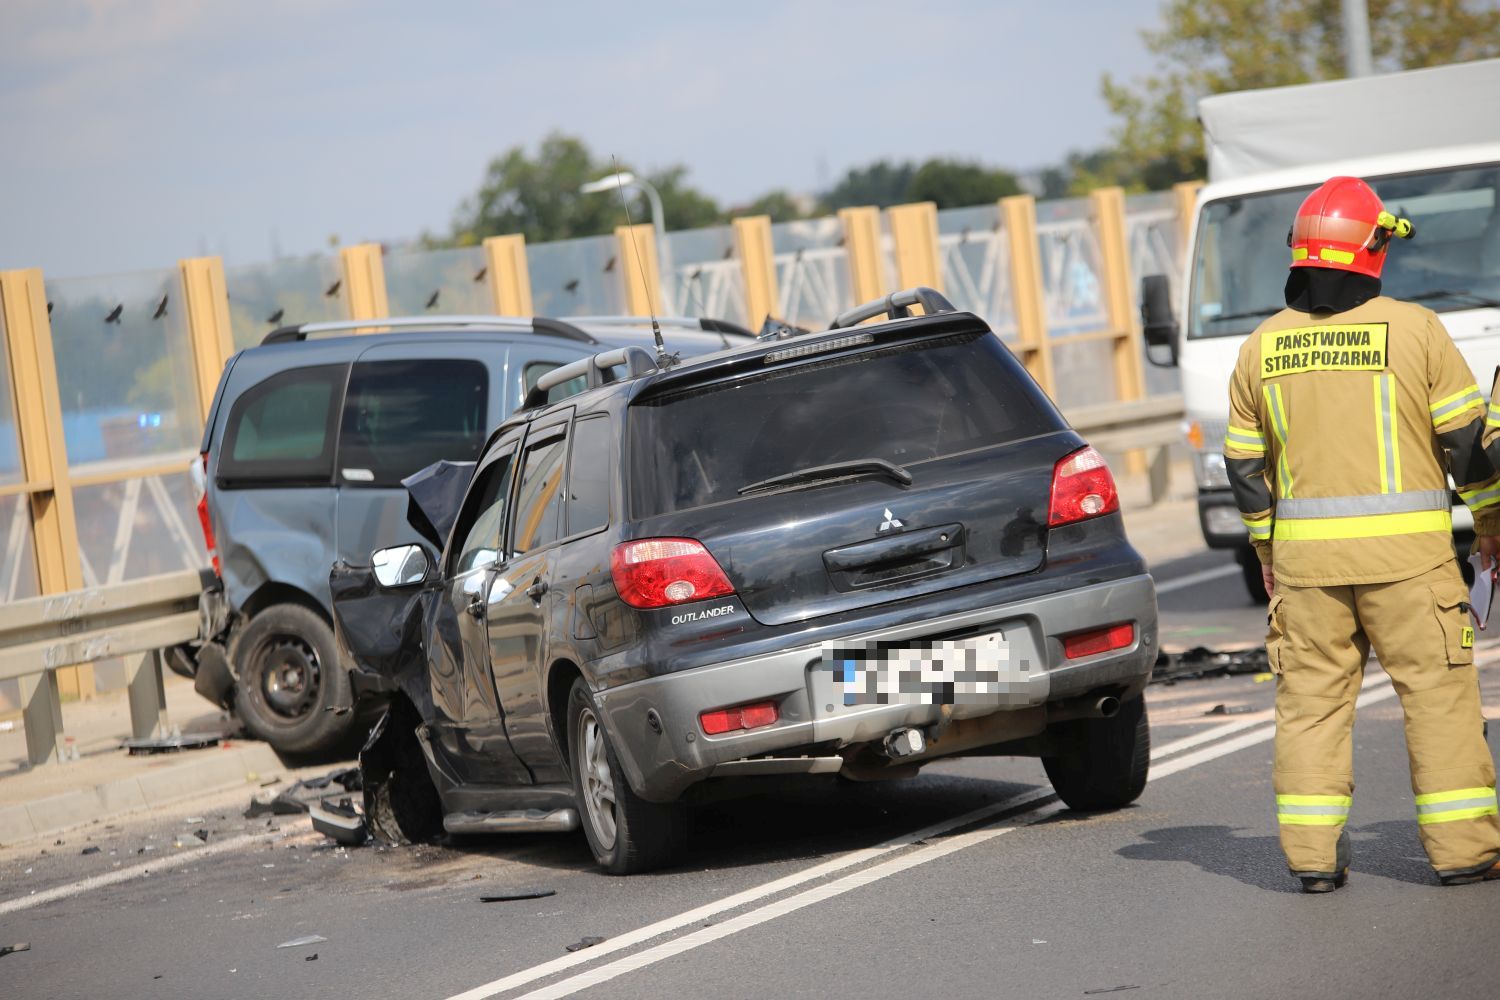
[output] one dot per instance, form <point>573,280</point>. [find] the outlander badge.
<point>891,521</point>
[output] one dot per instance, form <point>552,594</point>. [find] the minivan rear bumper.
<point>660,765</point>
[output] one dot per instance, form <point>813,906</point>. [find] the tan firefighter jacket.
<point>1342,433</point>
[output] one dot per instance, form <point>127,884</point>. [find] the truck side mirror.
<point>1157,322</point>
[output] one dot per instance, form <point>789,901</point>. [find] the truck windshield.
<point>1452,263</point>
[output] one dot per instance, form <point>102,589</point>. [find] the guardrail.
<point>42,634</point>
<point>1153,424</point>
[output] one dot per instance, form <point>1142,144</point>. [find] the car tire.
<point>1101,763</point>
<point>287,674</point>
<point>1255,584</point>
<point>627,834</point>
<point>401,803</point>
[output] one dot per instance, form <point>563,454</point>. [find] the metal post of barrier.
<point>364,281</point>
<point>642,270</point>
<point>44,461</point>
<point>752,240</point>
<point>862,244</point>
<point>1019,215</point>
<point>148,697</point>
<point>510,280</point>
<point>41,714</point>
<point>914,233</point>
<point>208,323</point>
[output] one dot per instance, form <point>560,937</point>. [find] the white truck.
<point>1427,141</point>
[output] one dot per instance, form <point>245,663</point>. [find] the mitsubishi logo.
<point>891,521</point>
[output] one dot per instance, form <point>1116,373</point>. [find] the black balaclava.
<point>1325,290</point>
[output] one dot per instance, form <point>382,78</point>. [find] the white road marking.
<point>1193,579</point>
<point>1378,689</point>
<point>165,863</point>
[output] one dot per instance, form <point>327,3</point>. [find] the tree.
<point>780,204</point>
<point>954,184</point>
<point>538,196</point>
<point>882,183</point>
<point>1213,46</point>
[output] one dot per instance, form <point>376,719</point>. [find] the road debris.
<point>311,958</point>
<point>303,942</point>
<point>587,942</point>
<point>11,949</point>
<point>1111,989</point>
<point>341,821</point>
<point>90,850</point>
<point>176,743</point>
<point>508,897</point>
<point>1223,709</point>
<point>1200,662</point>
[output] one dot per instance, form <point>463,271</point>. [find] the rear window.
<point>401,416</point>
<point>281,431</point>
<point>905,404</point>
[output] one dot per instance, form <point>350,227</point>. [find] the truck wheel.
<point>1254,582</point>
<point>287,672</point>
<point>1102,763</point>
<point>627,834</point>
<point>401,804</point>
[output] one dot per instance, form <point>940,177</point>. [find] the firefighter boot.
<point>1319,884</point>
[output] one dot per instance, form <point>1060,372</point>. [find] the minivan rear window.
<point>281,431</point>
<point>905,404</point>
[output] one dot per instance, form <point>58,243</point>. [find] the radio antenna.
<point>663,360</point>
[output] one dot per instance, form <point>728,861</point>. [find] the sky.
<point>134,133</point>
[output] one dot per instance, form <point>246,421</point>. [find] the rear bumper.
<point>661,765</point>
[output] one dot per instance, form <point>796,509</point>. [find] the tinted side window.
<point>588,476</point>
<point>401,416</point>
<point>476,533</point>
<point>282,430</point>
<point>539,504</point>
<point>536,369</point>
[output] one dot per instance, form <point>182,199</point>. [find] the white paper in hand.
<point>1483,591</point>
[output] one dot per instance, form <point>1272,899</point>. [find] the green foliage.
<point>1214,46</point>
<point>882,183</point>
<point>780,204</point>
<point>954,184</point>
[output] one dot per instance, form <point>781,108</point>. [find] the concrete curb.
<point>206,771</point>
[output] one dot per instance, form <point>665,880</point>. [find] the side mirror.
<point>1157,323</point>
<point>400,566</point>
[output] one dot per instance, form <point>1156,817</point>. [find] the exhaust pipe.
<point>1107,707</point>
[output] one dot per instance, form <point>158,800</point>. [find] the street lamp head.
<point>611,183</point>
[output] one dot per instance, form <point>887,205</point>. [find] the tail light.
<point>198,473</point>
<point>1100,640</point>
<point>727,720</point>
<point>658,572</point>
<point>1081,488</point>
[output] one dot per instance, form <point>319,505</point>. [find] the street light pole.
<point>626,179</point>
<point>1357,60</point>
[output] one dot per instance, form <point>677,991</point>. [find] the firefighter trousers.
<point>1318,641</point>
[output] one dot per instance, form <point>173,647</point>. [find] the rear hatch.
<point>939,451</point>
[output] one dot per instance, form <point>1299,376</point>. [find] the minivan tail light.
<point>198,473</point>
<point>1081,488</point>
<point>658,572</point>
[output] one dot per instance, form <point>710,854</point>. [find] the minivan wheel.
<point>627,834</point>
<point>287,673</point>
<point>1101,763</point>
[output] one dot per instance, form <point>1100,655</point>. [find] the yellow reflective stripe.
<point>1449,407</point>
<point>1314,800</point>
<point>1299,253</point>
<point>1492,419</point>
<point>1454,815</point>
<point>1297,819</point>
<point>1259,527</point>
<point>1337,256</point>
<point>1481,498</point>
<point>1275,404</point>
<point>1245,440</point>
<point>1369,526</point>
<point>1456,795</point>
<point>1387,441</point>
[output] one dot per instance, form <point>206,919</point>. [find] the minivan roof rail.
<point>896,305</point>
<point>595,371</point>
<point>535,324</point>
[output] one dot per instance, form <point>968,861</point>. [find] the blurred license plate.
<point>974,671</point>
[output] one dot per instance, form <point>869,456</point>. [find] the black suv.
<point>850,552</point>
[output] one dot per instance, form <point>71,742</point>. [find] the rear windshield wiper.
<point>838,470</point>
<point>1449,293</point>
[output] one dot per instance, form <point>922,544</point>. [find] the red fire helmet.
<point>1343,226</point>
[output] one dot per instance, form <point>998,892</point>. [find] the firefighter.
<point>1348,410</point>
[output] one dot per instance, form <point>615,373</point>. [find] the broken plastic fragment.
<point>302,942</point>
<point>89,850</point>
<point>587,942</point>
<point>11,949</point>
<point>507,897</point>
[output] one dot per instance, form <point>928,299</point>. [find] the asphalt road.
<point>968,881</point>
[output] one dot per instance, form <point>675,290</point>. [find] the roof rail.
<point>595,370</point>
<point>896,305</point>
<point>707,323</point>
<point>535,324</point>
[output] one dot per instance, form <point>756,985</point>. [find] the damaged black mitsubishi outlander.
<point>850,552</point>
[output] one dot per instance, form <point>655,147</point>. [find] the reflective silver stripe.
<point>1312,810</point>
<point>1236,437</point>
<point>1377,503</point>
<point>1469,398</point>
<point>1456,804</point>
<point>1391,464</point>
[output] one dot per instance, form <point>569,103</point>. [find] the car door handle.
<point>536,590</point>
<point>475,607</point>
